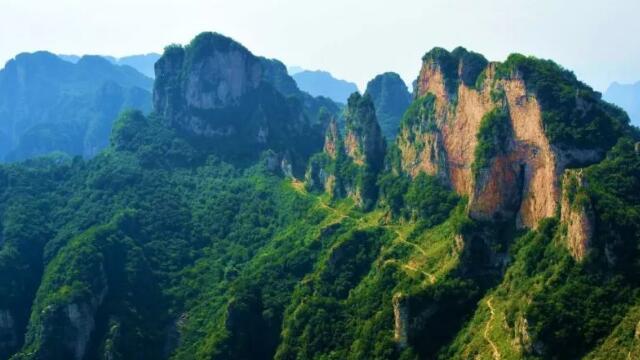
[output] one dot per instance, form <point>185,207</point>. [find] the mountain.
<point>322,83</point>
<point>349,166</point>
<point>236,102</point>
<point>391,99</point>
<point>47,104</point>
<point>292,70</point>
<point>627,96</point>
<point>143,63</point>
<point>502,222</point>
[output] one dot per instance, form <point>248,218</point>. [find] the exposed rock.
<point>239,104</point>
<point>349,167</point>
<point>363,142</point>
<point>577,214</point>
<point>523,338</point>
<point>332,140</point>
<point>401,320</point>
<point>441,138</point>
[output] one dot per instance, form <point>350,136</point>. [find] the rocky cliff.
<point>502,133</point>
<point>349,166</point>
<point>577,214</point>
<point>240,104</point>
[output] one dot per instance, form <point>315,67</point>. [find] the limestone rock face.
<point>577,214</point>
<point>445,130</point>
<point>348,167</point>
<point>239,104</point>
<point>401,320</point>
<point>332,140</point>
<point>363,142</point>
<point>65,329</point>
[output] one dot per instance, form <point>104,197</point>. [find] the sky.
<point>354,40</point>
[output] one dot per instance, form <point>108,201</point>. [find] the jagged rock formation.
<point>363,141</point>
<point>401,320</point>
<point>217,90</point>
<point>391,99</point>
<point>48,104</point>
<point>577,214</point>
<point>349,166</point>
<point>494,132</point>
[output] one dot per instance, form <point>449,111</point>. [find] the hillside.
<point>47,104</point>
<point>143,63</point>
<point>238,221</point>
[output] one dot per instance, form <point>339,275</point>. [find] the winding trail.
<point>494,348</point>
<point>403,240</point>
<point>299,187</point>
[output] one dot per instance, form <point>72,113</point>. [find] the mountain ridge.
<point>170,244</point>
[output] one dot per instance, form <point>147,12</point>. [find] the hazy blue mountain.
<point>48,104</point>
<point>292,70</point>
<point>391,99</point>
<point>322,83</point>
<point>143,63</point>
<point>627,96</point>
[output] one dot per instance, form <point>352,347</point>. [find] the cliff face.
<point>363,142</point>
<point>577,214</point>
<point>238,103</point>
<point>349,166</point>
<point>482,127</point>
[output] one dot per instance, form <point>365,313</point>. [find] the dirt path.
<point>494,348</point>
<point>403,240</point>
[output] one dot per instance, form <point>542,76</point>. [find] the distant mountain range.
<point>143,63</point>
<point>322,83</point>
<point>627,96</point>
<point>48,104</point>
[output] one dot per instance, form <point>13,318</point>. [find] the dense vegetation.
<point>492,137</point>
<point>457,66</point>
<point>170,245</point>
<point>572,112</point>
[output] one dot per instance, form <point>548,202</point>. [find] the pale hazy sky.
<point>355,40</point>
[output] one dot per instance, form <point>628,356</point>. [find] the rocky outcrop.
<point>64,330</point>
<point>239,104</point>
<point>577,214</point>
<point>391,99</point>
<point>349,166</point>
<point>400,320</point>
<point>483,129</point>
<point>363,141</point>
<point>332,140</point>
